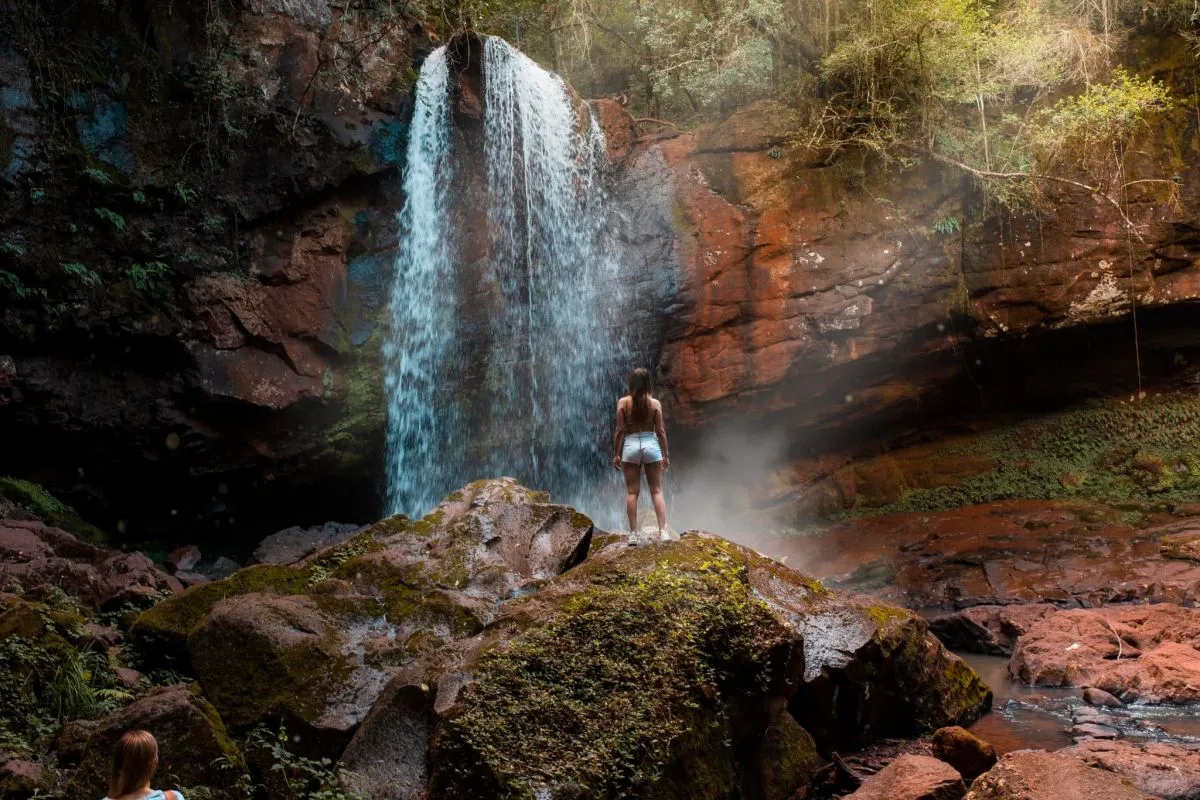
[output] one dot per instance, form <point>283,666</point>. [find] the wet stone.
<point>1099,697</point>
<point>1094,731</point>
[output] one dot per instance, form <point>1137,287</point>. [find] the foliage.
<point>292,776</point>
<point>82,273</point>
<point>11,284</point>
<point>149,278</point>
<point>946,226</point>
<point>97,176</point>
<point>1137,453</point>
<point>54,678</point>
<point>111,217</point>
<point>36,500</point>
<point>12,248</point>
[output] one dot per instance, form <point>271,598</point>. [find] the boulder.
<point>436,578</point>
<point>988,630</point>
<point>1137,653</point>
<point>20,779</point>
<point>40,558</point>
<point>183,559</point>
<point>292,544</point>
<point>1169,771</point>
<point>1098,697</point>
<point>262,657</point>
<point>194,747</point>
<point>1038,775</point>
<point>912,777</point>
<point>964,751</point>
<point>720,664</point>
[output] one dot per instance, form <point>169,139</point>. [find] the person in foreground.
<point>135,759</point>
<point>641,443</point>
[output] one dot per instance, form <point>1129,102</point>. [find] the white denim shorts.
<point>641,448</point>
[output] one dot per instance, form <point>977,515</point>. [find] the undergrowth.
<point>1134,455</point>
<point>56,677</point>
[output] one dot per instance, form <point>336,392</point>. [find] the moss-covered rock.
<point>1129,454</point>
<point>161,633</point>
<point>671,670</point>
<point>39,502</point>
<point>262,657</point>
<point>194,747</point>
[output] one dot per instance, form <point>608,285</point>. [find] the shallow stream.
<point>1027,717</point>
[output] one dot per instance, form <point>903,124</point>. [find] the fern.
<point>947,225</point>
<point>12,249</point>
<point>12,284</point>
<point>81,273</point>
<point>111,217</point>
<point>148,277</point>
<point>98,176</point>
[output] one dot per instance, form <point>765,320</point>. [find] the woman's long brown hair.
<point>134,760</point>
<point>639,390</point>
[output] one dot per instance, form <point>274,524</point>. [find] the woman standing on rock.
<point>135,759</point>
<point>641,443</point>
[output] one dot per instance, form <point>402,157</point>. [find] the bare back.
<point>625,409</point>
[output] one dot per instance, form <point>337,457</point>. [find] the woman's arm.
<point>660,430</point>
<point>618,438</point>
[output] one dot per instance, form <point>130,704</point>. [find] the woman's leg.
<point>654,479</point>
<point>633,487</point>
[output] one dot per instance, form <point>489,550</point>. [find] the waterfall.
<point>422,328</point>
<point>520,378</point>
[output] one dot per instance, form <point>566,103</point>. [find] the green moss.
<point>593,695</point>
<point>36,500</point>
<point>1142,453</point>
<point>886,616</point>
<point>162,631</point>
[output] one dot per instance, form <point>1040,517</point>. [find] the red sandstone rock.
<point>1099,697</point>
<point>964,751</point>
<point>1038,775</point>
<point>618,128</point>
<point>912,777</point>
<point>1168,771</point>
<point>1012,553</point>
<point>39,557</point>
<point>1138,653</point>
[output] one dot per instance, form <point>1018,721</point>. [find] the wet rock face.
<point>461,655</point>
<point>842,306</point>
<point>227,335</point>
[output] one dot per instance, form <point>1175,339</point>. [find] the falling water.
<point>421,333</point>
<point>538,405</point>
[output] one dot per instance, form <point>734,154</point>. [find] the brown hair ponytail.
<point>134,760</point>
<point>639,391</point>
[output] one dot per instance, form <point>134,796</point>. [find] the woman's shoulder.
<point>624,401</point>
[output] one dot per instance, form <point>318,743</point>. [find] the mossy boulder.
<point>691,669</point>
<point>37,501</point>
<point>194,747</point>
<point>262,657</point>
<point>161,633</point>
